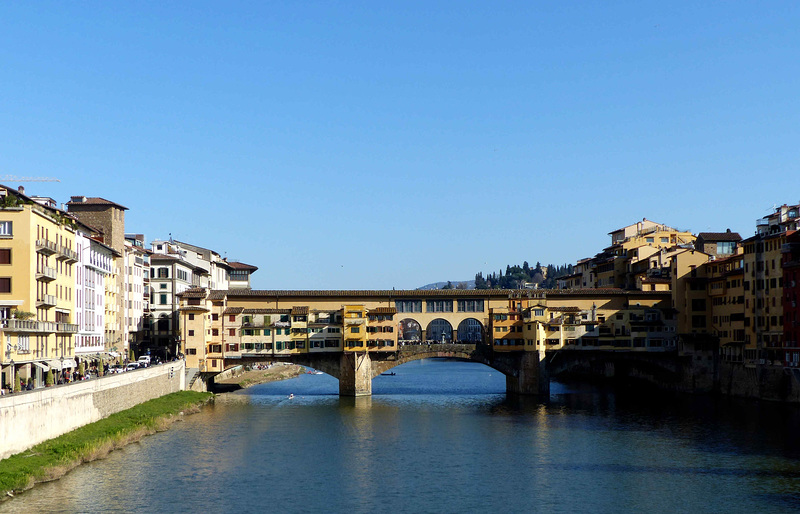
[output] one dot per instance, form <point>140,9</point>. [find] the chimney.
<point>21,190</point>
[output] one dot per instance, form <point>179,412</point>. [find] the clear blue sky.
<point>374,145</point>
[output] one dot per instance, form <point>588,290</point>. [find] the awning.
<point>70,363</point>
<point>55,364</point>
<point>113,354</point>
<point>44,367</point>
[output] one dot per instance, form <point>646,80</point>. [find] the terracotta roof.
<point>194,292</point>
<point>719,236</point>
<point>267,311</point>
<point>193,308</point>
<point>419,293</point>
<point>96,200</point>
<point>233,310</point>
<point>383,310</point>
<point>300,310</point>
<point>564,309</point>
<point>241,265</point>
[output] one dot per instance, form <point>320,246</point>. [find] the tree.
<point>448,286</point>
<point>49,380</point>
<point>17,385</point>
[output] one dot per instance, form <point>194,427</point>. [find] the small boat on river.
<point>388,374</point>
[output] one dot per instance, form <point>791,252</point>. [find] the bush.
<point>17,385</point>
<point>48,381</point>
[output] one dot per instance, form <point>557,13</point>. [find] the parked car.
<point>144,361</point>
<point>132,366</point>
<point>116,368</point>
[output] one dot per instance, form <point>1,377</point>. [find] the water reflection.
<point>443,436</point>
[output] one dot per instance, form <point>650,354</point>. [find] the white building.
<point>91,272</point>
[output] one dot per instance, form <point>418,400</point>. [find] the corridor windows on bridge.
<point>470,305</point>
<point>439,306</point>
<point>408,305</point>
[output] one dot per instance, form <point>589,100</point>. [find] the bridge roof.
<point>299,310</point>
<point>383,310</point>
<point>428,293</point>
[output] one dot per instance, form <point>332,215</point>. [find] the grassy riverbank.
<point>52,459</point>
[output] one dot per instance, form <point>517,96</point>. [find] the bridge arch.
<point>409,329</point>
<point>440,330</point>
<point>470,330</point>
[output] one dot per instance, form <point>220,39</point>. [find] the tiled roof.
<point>193,308</point>
<point>241,265</point>
<point>719,236</point>
<point>267,311</point>
<point>96,200</point>
<point>383,310</point>
<point>300,310</point>
<point>656,280</point>
<point>195,292</point>
<point>233,310</point>
<point>419,293</point>
<point>564,309</point>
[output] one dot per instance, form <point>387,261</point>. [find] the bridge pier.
<point>355,378</point>
<point>531,376</point>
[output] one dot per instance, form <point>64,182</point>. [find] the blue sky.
<point>349,145</point>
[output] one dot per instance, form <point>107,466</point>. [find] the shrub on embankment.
<point>52,459</point>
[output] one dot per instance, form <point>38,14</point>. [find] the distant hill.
<point>467,284</point>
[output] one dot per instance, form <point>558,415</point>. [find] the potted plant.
<point>48,381</point>
<point>17,385</point>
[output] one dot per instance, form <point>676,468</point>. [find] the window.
<point>538,312</point>
<point>162,286</point>
<point>408,305</point>
<point>191,317</point>
<point>5,284</point>
<point>231,331</point>
<point>470,305</point>
<point>439,306</point>
<point>5,255</point>
<point>163,299</point>
<point>355,330</point>
<point>163,272</point>
<point>6,228</point>
<point>215,317</point>
<point>665,240</point>
<point>191,332</point>
<point>650,240</point>
<point>191,351</point>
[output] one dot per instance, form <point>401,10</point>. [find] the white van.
<point>144,361</point>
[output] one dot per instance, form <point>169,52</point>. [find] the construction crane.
<point>14,178</point>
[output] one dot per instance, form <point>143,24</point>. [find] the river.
<point>441,436</point>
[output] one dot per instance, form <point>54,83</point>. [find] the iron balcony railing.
<point>67,254</point>
<point>46,300</point>
<point>46,273</point>
<point>46,247</point>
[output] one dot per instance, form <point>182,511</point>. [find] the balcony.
<point>354,321</point>
<point>46,300</point>
<point>66,328</point>
<point>67,254</point>
<point>46,274</point>
<point>46,247</point>
<point>24,325</point>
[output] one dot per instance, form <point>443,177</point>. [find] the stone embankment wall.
<point>27,419</point>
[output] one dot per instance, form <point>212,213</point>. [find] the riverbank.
<point>253,377</point>
<point>54,458</point>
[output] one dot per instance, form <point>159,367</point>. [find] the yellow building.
<point>381,333</point>
<point>37,287</point>
<point>354,317</point>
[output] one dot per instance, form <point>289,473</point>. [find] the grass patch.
<point>52,459</point>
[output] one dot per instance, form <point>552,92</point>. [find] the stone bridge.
<point>524,372</point>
